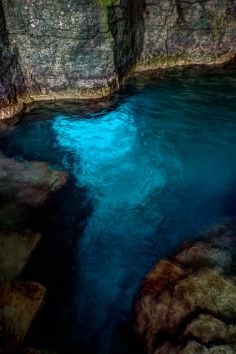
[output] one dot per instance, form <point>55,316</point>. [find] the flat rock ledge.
<point>187,303</point>
<point>28,182</point>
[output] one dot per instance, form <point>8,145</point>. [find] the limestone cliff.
<point>86,48</point>
<point>11,79</point>
<point>188,32</point>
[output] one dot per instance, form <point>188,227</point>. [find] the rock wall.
<point>11,79</point>
<point>63,45</point>
<point>181,32</point>
<point>62,49</point>
<point>75,47</point>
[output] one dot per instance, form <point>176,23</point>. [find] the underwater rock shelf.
<point>187,303</point>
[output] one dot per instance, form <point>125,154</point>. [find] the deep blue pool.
<point>148,170</point>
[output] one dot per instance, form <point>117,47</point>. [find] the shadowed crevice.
<point>126,23</point>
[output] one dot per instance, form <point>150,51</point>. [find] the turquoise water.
<point>148,170</point>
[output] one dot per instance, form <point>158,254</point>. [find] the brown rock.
<point>163,275</point>
<point>193,300</point>
<point>28,182</point>
<point>202,254</point>
<point>207,290</point>
<point>207,328</point>
<point>19,303</point>
<point>15,249</point>
<point>194,348</point>
<point>222,349</point>
<point>152,315</point>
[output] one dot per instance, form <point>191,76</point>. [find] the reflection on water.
<point>157,168</point>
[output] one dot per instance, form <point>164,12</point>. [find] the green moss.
<point>105,4</point>
<point>167,59</point>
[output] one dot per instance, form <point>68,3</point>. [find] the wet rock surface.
<point>187,303</point>
<point>28,182</point>
<point>19,304</point>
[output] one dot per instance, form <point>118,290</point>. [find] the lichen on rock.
<point>80,49</point>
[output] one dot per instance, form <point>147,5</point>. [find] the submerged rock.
<point>19,303</point>
<point>191,296</point>
<point>15,249</point>
<point>28,182</point>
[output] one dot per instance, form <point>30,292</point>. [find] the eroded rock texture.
<point>52,49</point>
<point>188,32</point>
<point>11,79</point>
<point>66,47</point>
<point>19,304</point>
<point>187,304</point>
<point>28,182</point>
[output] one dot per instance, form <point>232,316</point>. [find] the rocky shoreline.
<point>187,303</point>
<point>23,185</point>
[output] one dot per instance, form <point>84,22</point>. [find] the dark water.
<point>147,171</point>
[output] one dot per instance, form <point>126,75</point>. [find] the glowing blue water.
<point>157,168</point>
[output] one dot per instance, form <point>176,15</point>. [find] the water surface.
<point>147,171</point>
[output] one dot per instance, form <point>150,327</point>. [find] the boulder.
<point>28,182</point>
<point>207,329</point>
<point>187,304</point>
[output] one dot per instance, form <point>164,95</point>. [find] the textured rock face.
<point>186,32</point>
<point>61,44</point>
<point>66,47</point>
<point>85,48</point>
<point>11,79</point>
<point>28,182</point>
<point>188,303</point>
<point>19,303</point>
